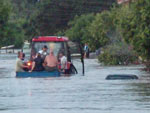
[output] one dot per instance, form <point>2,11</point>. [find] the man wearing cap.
<point>43,52</point>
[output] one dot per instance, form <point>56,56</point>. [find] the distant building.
<point>98,6</point>
<point>124,1</point>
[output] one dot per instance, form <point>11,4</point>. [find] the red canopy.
<point>50,39</point>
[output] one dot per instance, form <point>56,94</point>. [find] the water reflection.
<point>76,94</point>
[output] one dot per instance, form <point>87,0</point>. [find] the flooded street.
<point>75,94</point>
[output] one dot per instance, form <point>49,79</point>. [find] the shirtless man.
<point>50,62</point>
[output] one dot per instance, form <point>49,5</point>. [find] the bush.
<point>117,55</point>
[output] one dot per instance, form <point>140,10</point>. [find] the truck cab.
<point>58,44</point>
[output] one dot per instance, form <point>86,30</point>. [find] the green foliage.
<point>23,13</point>
<point>107,33</point>
<point>10,33</point>
<point>24,19</point>
<point>4,13</point>
<point>23,9</point>
<point>17,34</point>
<point>54,15</point>
<point>117,55</point>
<point>99,29</point>
<point>79,28</point>
<point>13,35</point>
<point>135,27</point>
<point>4,18</point>
<point>60,33</point>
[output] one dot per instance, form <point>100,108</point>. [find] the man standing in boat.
<point>43,52</point>
<point>63,63</point>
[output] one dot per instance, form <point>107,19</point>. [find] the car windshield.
<point>55,46</point>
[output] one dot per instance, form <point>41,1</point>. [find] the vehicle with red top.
<point>52,42</point>
<point>58,44</point>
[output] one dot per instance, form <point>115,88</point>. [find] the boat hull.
<point>38,74</point>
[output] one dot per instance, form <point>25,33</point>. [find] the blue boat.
<point>38,74</point>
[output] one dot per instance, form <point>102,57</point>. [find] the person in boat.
<point>43,52</point>
<point>24,62</point>
<point>23,57</point>
<point>37,64</point>
<point>63,62</point>
<point>19,63</point>
<point>50,62</point>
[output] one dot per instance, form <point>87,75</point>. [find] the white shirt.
<point>63,61</point>
<point>43,52</point>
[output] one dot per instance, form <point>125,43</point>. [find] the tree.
<point>135,27</point>
<point>4,18</point>
<point>54,15</point>
<point>79,28</point>
<point>106,33</point>
<point>100,29</point>
<point>10,32</point>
